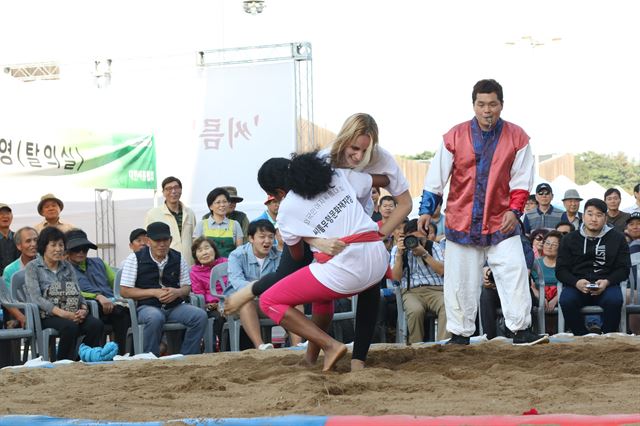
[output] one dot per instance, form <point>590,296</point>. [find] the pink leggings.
<point>296,289</point>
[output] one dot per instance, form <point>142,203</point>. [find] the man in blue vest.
<point>157,277</point>
<point>96,282</point>
<point>545,216</point>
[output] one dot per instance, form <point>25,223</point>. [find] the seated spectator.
<point>591,264</point>
<point>205,256</point>
<point>375,197</point>
<point>138,239</point>
<point>271,214</point>
<point>387,206</point>
<point>96,279</point>
<point>565,227</point>
<point>52,285</point>
<point>50,207</point>
<point>438,219</point>
<point>237,215</point>
<point>616,218</point>
<point>537,240</point>
<point>545,216</point>
<point>544,272</point>
<point>633,235</point>
<point>226,233</point>
<point>248,263</point>
<point>420,270</point>
<point>157,277</point>
<point>26,241</point>
<point>490,299</point>
<point>635,207</point>
<point>571,203</point>
<point>531,203</point>
<point>8,250</point>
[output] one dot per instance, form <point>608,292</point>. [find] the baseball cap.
<point>136,233</point>
<point>270,198</point>
<point>544,187</point>
<point>5,207</point>
<point>78,238</point>
<point>158,231</point>
<point>633,216</point>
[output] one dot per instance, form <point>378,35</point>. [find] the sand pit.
<point>587,376</point>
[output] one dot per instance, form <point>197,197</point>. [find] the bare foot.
<point>332,355</point>
<point>357,364</point>
<point>312,353</point>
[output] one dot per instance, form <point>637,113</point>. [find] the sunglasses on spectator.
<point>79,249</point>
<point>544,193</point>
<point>539,238</point>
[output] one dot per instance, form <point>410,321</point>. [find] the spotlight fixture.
<point>253,6</point>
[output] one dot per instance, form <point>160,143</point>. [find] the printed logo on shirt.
<point>323,199</point>
<point>600,258</point>
<point>332,215</point>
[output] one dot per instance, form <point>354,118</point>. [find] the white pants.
<point>463,282</point>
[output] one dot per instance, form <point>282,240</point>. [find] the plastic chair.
<point>108,328</point>
<point>634,293</point>
<point>27,332</point>
<point>232,325</point>
<point>43,335</point>
<point>402,330</point>
<point>137,328</point>
<point>594,309</point>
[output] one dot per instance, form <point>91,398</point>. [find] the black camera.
<point>411,242</point>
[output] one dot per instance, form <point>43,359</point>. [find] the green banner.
<point>116,160</point>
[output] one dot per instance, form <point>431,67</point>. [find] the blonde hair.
<point>357,125</point>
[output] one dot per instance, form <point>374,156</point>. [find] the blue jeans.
<point>610,300</point>
<point>153,319</point>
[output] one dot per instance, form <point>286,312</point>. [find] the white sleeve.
<point>385,164</point>
<point>439,171</point>
<point>361,183</point>
<point>522,170</point>
<point>185,278</point>
<point>286,225</point>
<point>129,271</point>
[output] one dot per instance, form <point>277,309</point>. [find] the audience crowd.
<point>575,259</point>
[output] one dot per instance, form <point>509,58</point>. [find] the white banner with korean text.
<point>248,116</point>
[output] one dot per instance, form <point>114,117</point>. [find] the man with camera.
<point>591,264</point>
<point>418,264</point>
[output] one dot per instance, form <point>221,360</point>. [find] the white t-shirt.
<point>382,163</point>
<point>336,214</point>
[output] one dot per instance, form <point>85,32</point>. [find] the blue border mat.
<point>257,421</point>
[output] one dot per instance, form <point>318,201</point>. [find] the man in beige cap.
<point>571,203</point>
<point>234,214</point>
<point>50,207</point>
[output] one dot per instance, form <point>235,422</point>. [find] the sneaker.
<point>265,346</point>
<point>527,337</point>
<point>458,340</point>
<point>594,328</point>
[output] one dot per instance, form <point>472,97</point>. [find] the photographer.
<point>418,264</point>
